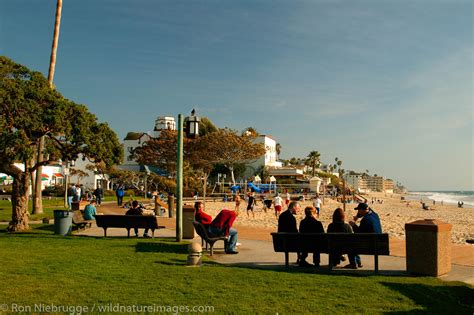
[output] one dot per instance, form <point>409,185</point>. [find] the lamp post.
<point>192,131</point>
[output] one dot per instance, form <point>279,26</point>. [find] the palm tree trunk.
<point>37,201</point>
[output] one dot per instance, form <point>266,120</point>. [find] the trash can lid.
<point>188,208</point>
<point>431,225</point>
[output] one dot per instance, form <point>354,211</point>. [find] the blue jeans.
<point>354,259</point>
<point>69,202</point>
<point>144,233</point>
<point>232,239</point>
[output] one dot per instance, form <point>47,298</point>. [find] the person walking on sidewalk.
<point>120,192</point>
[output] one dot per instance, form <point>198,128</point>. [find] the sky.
<point>385,86</point>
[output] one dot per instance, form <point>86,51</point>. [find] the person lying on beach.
<point>370,223</point>
<point>310,225</point>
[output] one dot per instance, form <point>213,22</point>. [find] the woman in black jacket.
<point>338,226</point>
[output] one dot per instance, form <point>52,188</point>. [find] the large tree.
<point>223,146</point>
<point>232,149</point>
<point>30,110</point>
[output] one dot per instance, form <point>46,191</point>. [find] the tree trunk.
<point>20,215</point>
<point>204,189</point>
<point>231,169</point>
<point>38,194</point>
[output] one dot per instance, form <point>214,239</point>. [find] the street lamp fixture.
<point>192,125</point>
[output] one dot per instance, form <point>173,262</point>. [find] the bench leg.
<point>287,258</point>
<point>376,263</point>
<point>105,232</point>
<point>153,233</point>
<point>128,233</point>
<point>212,249</point>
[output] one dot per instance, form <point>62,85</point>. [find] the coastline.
<point>445,197</point>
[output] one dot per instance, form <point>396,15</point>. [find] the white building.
<point>135,140</point>
<point>86,176</point>
<point>269,159</point>
<point>354,180</point>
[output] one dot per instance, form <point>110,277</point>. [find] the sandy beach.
<point>393,212</point>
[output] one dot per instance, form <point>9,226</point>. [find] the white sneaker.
<point>238,244</point>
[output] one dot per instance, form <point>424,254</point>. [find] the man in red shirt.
<point>201,216</point>
<point>221,225</point>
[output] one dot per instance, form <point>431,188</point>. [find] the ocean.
<point>451,197</point>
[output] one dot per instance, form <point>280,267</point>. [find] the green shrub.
<point>109,193</point>
<point>54,191</point>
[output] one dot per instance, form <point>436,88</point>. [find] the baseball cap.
<point>362,206</point>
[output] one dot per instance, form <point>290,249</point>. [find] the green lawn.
<point>39,267</point>
<point>49,205</point>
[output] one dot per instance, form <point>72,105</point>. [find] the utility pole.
<point>179,181</point>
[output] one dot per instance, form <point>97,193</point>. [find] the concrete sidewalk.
<point>259,254</point>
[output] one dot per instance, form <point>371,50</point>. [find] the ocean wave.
<point>452,197</point>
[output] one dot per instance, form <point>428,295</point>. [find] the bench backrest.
<point>200,230</point>
<point>361,243</point>
<point>77,217</point>
<point>127,221</point>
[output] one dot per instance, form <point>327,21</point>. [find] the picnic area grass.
<point>40,267</point>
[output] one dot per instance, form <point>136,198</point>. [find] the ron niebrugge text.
<point>109,308</point>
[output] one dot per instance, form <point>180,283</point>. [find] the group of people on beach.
<point>277,201</point>
<point>370,223</point>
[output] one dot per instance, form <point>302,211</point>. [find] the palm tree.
<point>313,160</point>
<point>37,200</point>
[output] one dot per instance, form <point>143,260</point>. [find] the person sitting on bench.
<point>338,226</point>
<point>310,225</point>
<point>137,210</point>
<point>90,211</point>
<point>221,225</point>
<point>370,223</point>
<point>201,216</point>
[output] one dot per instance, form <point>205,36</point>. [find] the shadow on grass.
<point>48,227</point>
<point>455,299</point>
<point>162,246</point>
<point>322,270</point>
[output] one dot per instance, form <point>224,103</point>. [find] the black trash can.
<point>62,222</point>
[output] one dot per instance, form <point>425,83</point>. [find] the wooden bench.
<point>128,221</point>
<point>333,244</point>
<point>78,219</point>
<point>208,238</point>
